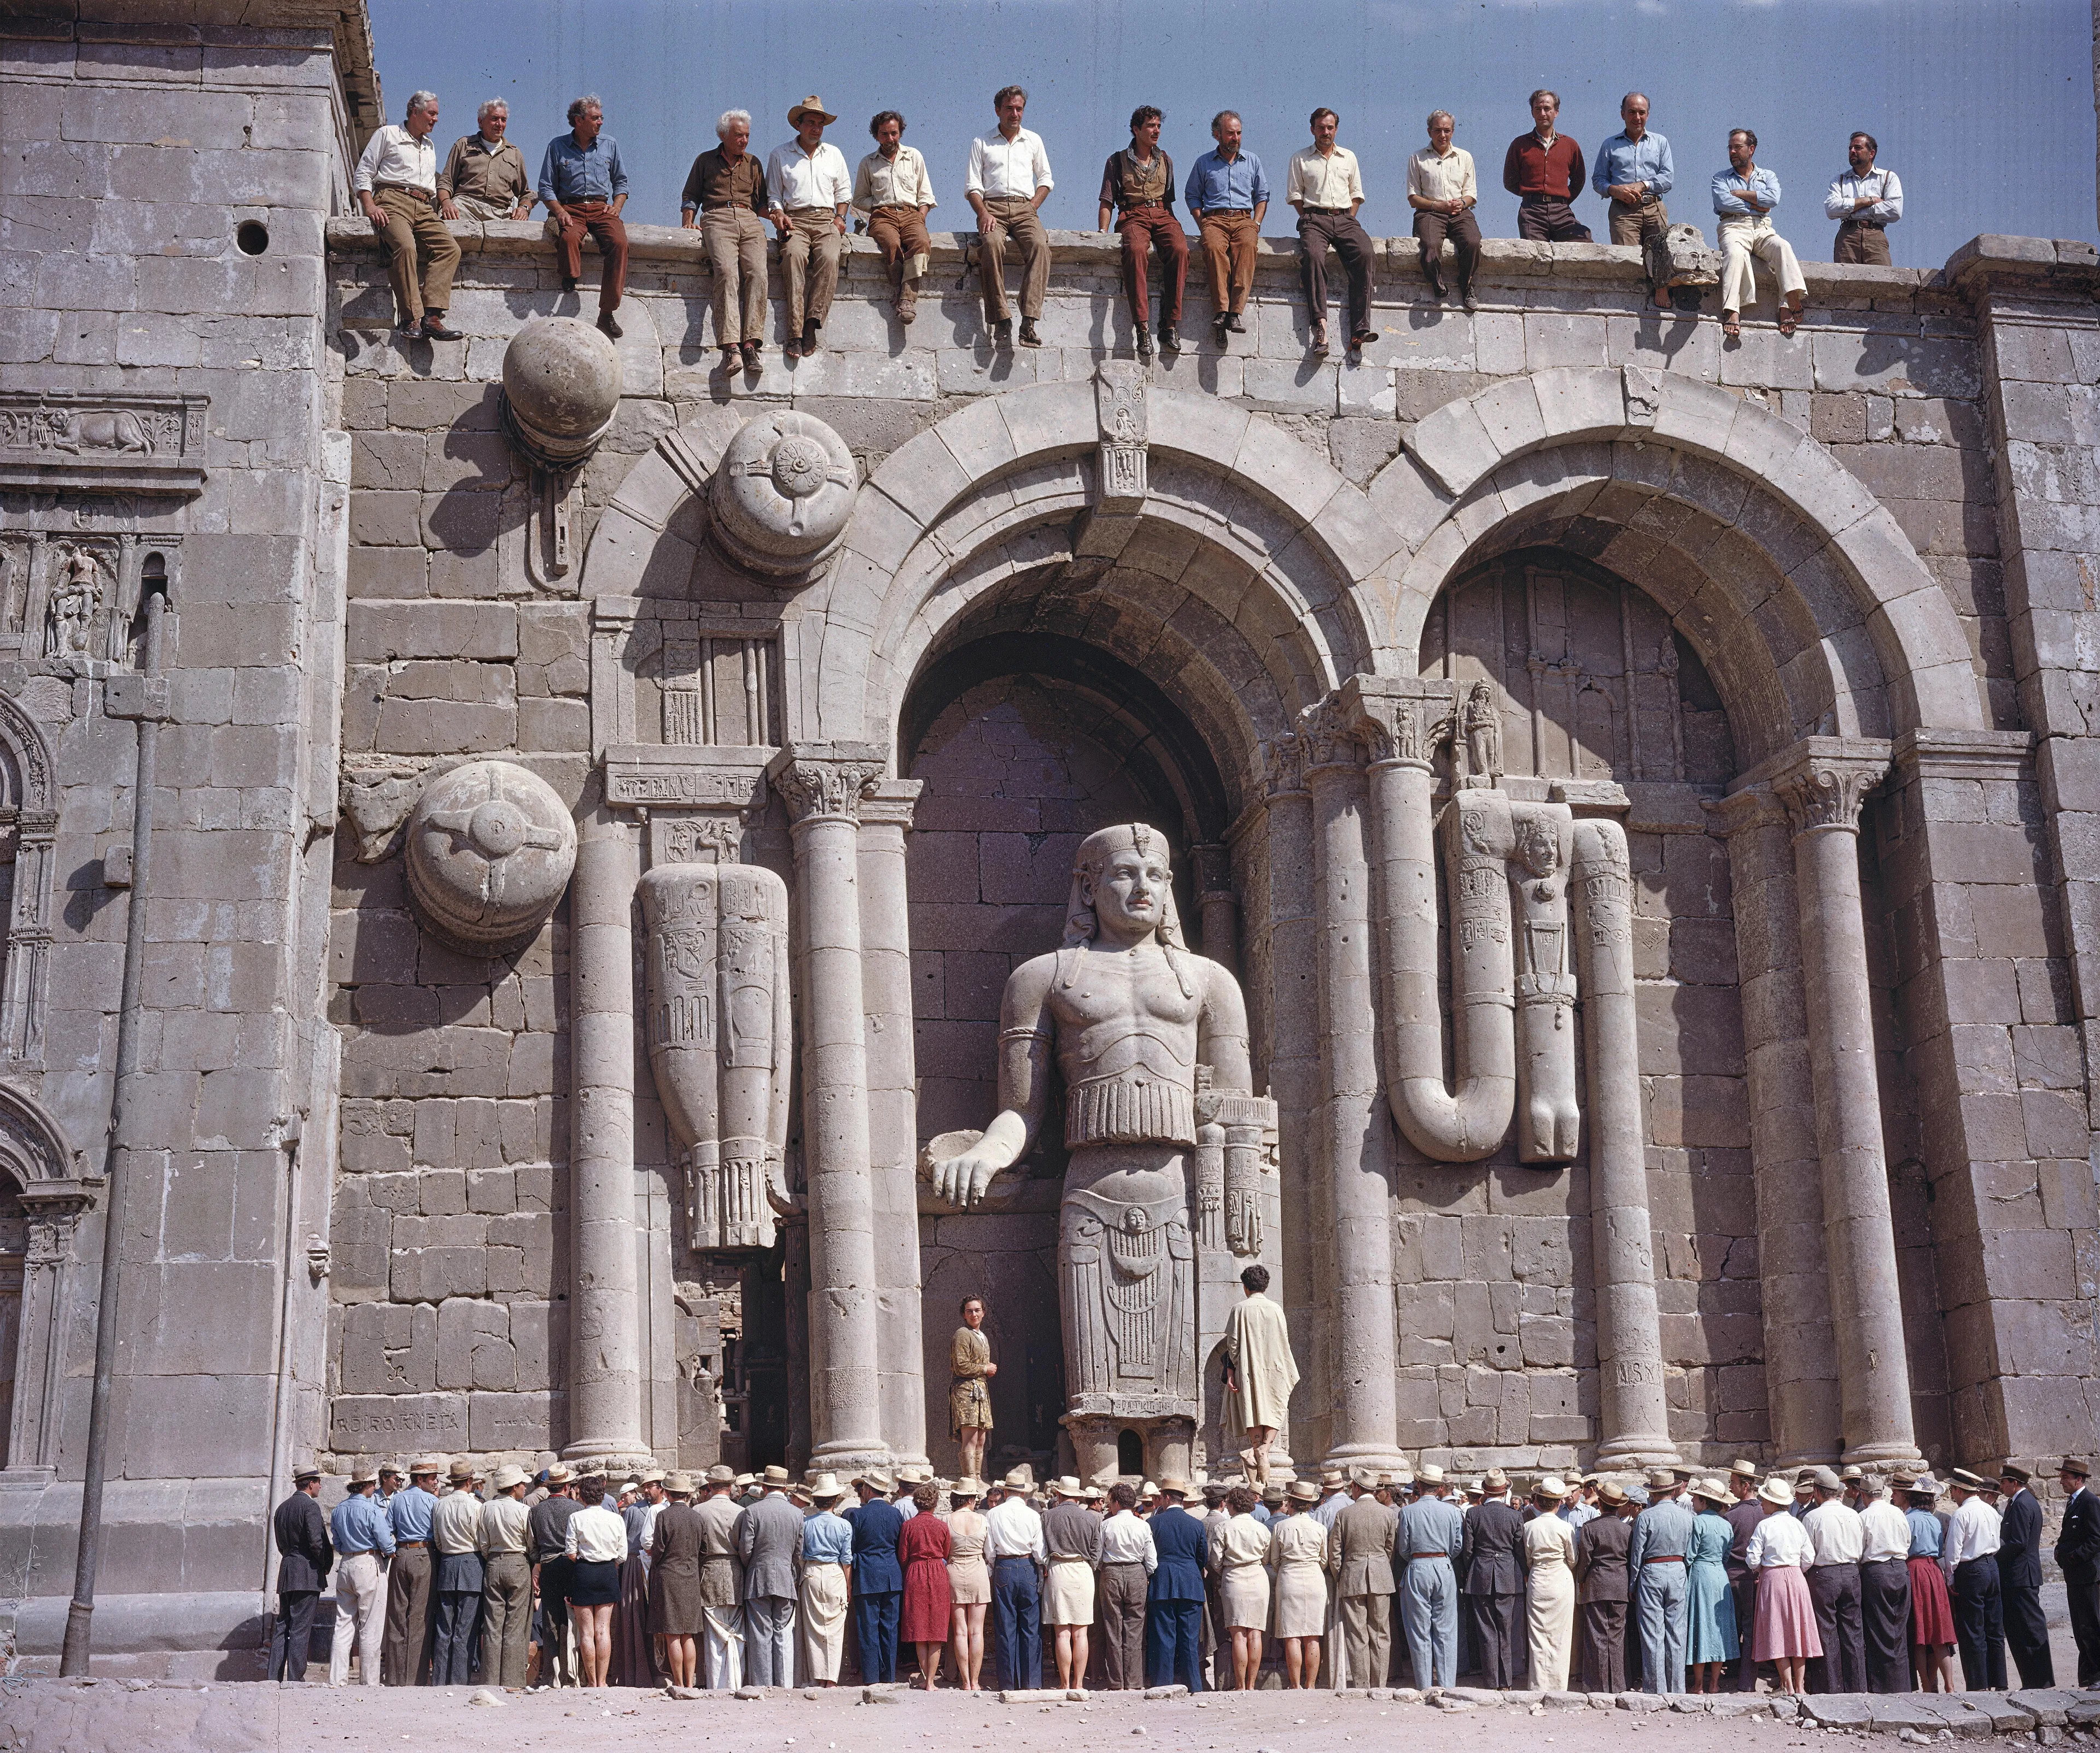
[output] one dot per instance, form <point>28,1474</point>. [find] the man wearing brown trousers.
<point>584,186</point>
<point>396,186</point>
<point>1443,191</point>
<point>1137,192</point>
<point>1229,194</point>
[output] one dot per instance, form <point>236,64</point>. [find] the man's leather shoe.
<point>1318,345</point>
<point>1234,323</point>
<point>1469,301</point>
<point>568,284</point>
<point>433,326</point>
<point>1170,339</point>
<point>1144,345</point>
<point>608,325</point>
<point>1220,332</point>
<point>1002,334</point>
<point>1029,338</point>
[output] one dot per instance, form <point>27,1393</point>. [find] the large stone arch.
<point>1814,611</point>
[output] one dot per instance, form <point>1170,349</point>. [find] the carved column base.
<point>1168,1453</point>
<point>1634,1448</point>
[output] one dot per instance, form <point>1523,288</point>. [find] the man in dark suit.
<point>2078,1557</point>
<point>1174,1599</point>
<point>1603,1588</point>
<point>1744,1515</point>
<point>1360,1547</point>
<point>2019,1578</point>
<point>878,1582</point>
<point>1491,1559</point>
<point>304,1558</point>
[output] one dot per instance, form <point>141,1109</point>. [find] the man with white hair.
<point>726,199</point>
<point>584,186</point>
<point>484,176</point>
<point>396,188</point>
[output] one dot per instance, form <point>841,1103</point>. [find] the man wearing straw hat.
<point>1072,1538</point>
<point>878,1579</point>
<point>502,1537</point>
<point>1744,1515</point>
<point>721,1582</point>
<point>808,190</point>
<point>547,1533</point>
<point>1491,1561</point>
<point>1837,1538</point>
<point>363,1541</point>
<point>454,1536</point>
<point>1174,1599</point>
<point>1359,1549</point>
<point>1014,1543</point>
<point>1603,1588</point>
<point>769,1541</point>
<point>828,1538</point>
<point>1430,1541</point>
<point>1655,1562</point>
<point>409,1577</point>
<point>1885,1612</point>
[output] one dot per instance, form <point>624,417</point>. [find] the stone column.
<point>823,784</point>
<point>1822,784</point>
<point>1633,1425</point>
<point>1220,905</point>
<point>1355,1141</point>
<point>1793,1280</point>
<point>885,816</point>
<point>605,1332</point>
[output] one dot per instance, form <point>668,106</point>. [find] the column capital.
<point>1822,782</point>
<point>1328,737</point>
<point>826,782</point>
<point>890,803</point>
<point>1214,868</point>
<point>1396,717</point>
<point>1280,767</point>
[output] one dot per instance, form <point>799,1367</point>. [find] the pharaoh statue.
<point>1129,1015</point>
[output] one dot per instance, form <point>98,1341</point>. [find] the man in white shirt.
<point>808,192</point>
<point>1968,1555</point>
<point>1837,1538</point>
<point>892,188</point>
<point>1015,1547</point>
<point>1443,191</point>
<point>396,187</point>
<point>1885,1589</point>
<point>1008,181</point>
<point>1865,202</point>
<point>1325,186</point>
<point>1128,1560</point>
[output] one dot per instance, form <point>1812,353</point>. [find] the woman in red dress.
<point>922,1548</point>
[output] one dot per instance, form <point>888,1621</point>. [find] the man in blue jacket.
<point>878,1582</point>
<point>1173,1600</point>
<point>2019,1578</point>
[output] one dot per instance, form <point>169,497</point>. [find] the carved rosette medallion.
<point>490,847</point>
<point>783,495</point>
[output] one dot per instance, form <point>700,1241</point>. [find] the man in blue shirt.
<point>408,1601</point>
<point>1655,1565</point>
<point>1228,191</point>
<point>583,185</point>
<point>364,1540</point>
<point>1633,172</point>
<point>1432,1535</point>
<point>1743,197</point>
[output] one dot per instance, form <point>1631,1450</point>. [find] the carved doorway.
<point>13,1259</point>
<point>1025,744</point>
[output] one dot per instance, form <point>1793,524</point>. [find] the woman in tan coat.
<point>674,1580</point>
<point>970,1367</point>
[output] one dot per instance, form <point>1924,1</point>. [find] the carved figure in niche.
<point>1549,1122</point>
<point>719,1028</point>
<point>1480,735</point>
<point>1128,1013</point>
<point>69,620</point>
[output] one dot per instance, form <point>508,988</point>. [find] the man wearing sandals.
<point>1743,197</point>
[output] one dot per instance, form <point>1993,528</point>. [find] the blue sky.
<point>1983,106</point>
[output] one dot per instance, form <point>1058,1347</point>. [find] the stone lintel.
<point>1965,754</point>
<point>723,778</point>
<point>890,803</point>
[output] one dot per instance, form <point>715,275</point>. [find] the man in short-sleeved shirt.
<point>1326,186</point>
<point>1443,191</point>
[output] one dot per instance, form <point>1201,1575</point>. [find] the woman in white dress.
<point>1298,1561</point>
<point>1549,1552</point>
<point>1239,1559</point>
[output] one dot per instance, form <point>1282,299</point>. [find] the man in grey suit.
<point>1432,1535</point>
<point>1360,1560</point>
<point>769,1541</point>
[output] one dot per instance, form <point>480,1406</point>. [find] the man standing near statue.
<point>1259,1371</point>
<point>1129,1014</point>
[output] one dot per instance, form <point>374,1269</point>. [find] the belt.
<point>1013,1558</point>
<point>402,1546</point>
<point>728,206</point>
<point>1070,1558</point>
<point>1884,1560</point>
<point>1871,224</point>
<point>1429,1555</point>
<point>828,212</point>
<point>1539,195</point>
<point>407,188</point>
<point>1666,1558</point>
<point>1329,210</point>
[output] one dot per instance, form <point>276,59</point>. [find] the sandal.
<point>1789,319</point>
<point>1732,329</point>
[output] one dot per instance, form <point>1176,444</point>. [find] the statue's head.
<point>1123,878</point>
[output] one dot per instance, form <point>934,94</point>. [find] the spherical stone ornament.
<point>782,494</point>
<point>561,390</point>
<point>489,848</point>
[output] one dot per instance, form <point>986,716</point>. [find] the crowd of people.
<point>1822,1581</point>
<point>806,192</point>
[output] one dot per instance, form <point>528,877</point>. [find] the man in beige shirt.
<point>506,1601</point>
<point>484,177</point>
<point>1325,186</point>
<point>1442,191</point>
<point>808,192</point>
<point>892,189</point>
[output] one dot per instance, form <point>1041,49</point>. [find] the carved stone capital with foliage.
<point>1827,787</point>
<point>825,781</point>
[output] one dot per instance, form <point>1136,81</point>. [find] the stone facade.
<point>1786,654</point>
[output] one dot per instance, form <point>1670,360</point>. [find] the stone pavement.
<point>68,1716</point>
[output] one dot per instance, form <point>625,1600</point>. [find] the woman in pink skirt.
<point>1931,1612</point>
<point>1779,1552</point>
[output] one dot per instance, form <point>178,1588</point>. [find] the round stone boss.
<point>782,494</point>
<point>561,390</point>
<point>491,846</point>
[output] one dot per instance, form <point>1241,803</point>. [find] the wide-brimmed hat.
<point>776,1476</point>
<point>300,1475</point>
<point>1967,1481</point>
<point>653,1475</point>
<point>1147,1489</point>
<point>508,1476</point>
<point>969,1486</point>
<point>1712,1489</point>
<point>1682,1473</point>
<point>365,1473</point>
<point>1367,1478</point>
<point>1171,1486</point>
<point>1662,1479</point>
<point>1855,1471</point>
<point>558,1474</point>
<point>1743,1469</point>
<point>1430,1474</point>
<point>462,1473</point>
<point>811,105</point>
<point>1303,1491</point>
<point>1333,1476</point>
<point>428,1463</point>
<point>1776,1491</point>
<point>877,1481</point>
<point>1925,1485</point>
<point>2077,1468</point>
<point>1610,1494</point>
<point>719,1474</point>
<point>1551,1485</point>
<point>678,1484</point>
<point>395,1468</point>
<point>1094,1493</point>
<point>1020,1479</point>
<point>825,1488</point>
<point>1068,1486</point>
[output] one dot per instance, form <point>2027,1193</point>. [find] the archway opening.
<point>1025,744</point>
<point>1130,1453</point>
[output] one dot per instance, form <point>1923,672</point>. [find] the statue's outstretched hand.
<point>961,1165</point>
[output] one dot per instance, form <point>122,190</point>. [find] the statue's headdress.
<point>1092,859</point>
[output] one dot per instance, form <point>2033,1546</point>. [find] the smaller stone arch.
<point>27,806</point>
<point>40,1168</point>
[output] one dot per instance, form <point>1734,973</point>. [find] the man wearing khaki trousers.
<point>396,186</point>
<point>725,199</point>
<point>1008,181</point>
<point>1360,1560</point>
<point>807,189</point>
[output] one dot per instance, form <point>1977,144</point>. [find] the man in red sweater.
<point>1543,169</point>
